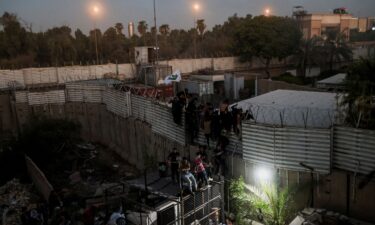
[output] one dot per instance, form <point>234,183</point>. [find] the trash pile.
<point>14,196</point>
<point>311,216</point>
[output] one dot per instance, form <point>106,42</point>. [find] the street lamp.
<point>96,11</point>
<point>196,8</point>
<point>156,36</point>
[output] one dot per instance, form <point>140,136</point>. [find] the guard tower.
<point>150,72</point>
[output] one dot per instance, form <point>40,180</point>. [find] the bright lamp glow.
<point>267,11</point>
<point>263,174</point>
<point>196,7</point>
<point>95,9</point>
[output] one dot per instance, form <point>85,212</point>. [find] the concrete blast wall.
<point>32,76</point>
<point>129,137</point>
<point>39,179</point>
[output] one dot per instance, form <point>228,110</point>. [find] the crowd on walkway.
<point>212,121</point>
<point>192,175</point>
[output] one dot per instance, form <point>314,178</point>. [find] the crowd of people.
<point>212,121</point>
<point>192,175</point>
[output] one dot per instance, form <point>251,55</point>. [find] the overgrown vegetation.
<point>360,98</point>
<point>267,204</point>
<point>267,38</point>
<point>47,141</point>
<point>20,46</point>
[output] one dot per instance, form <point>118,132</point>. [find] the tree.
<point>16,43</point>
<point>81,44</point>
<point>360,86</point>
<point>119,27</point>
<point>308,54</point>
<point>201,26</point>
<point>60,44</point>
<point>267,38</point>
<point>95,40</point>
<point>267,204</point>
<point>142,30</point>
<point>142,27</point>
<point>164,29</point>
<point>335,48</point>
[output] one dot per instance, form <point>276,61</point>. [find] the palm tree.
<point>164,29</point>
<point>267,204</point>
<point>119,27</point>
<point>142,29</point>
<point>201,26</point>
<point>308,54</point>
<point>335,48</point>
<point>271,204</point>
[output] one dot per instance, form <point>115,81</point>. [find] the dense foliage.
<point>267,204</point>
<point>360,100</point>
<point>267,38</point>
<point>20,46</point>
<point>46,141</point>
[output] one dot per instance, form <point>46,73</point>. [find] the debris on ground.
<point>311,216</point>
<point>14,197</point>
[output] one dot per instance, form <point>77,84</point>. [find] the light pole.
<point>156,36</point>
<point>196,8</point>
<point>96,12</point>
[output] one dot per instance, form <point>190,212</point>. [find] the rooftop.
<point>336,79</point>
<point>293,108</point>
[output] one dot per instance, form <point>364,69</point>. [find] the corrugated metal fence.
<point>288,147</point>
<point>234,146</point>
<point>80,92</point>
<point>11,78</point>
<point>159,117</point>
<point>354,150</point>
<point>116,102</point>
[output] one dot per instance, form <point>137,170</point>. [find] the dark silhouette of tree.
<point>119,27</point>
<point>335,48</point>
<point>142,29</point>
<point>81,44</point>
<point>99,40</point>
<point>201,27</point>
<point>60,42</point>
<point>267,38</point>
<point>360,87</point>
<point>164,29</point>
<point>308,54</point>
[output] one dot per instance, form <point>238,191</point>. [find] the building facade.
<point>316,24</point>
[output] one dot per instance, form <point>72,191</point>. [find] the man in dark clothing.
<point>177,110</point>
<point>174,159</point>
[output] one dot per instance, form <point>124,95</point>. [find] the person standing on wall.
<point>201,171</point>
<point>187,178</point>
<point>174,161</point>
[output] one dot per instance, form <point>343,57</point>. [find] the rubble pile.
<point>311,216</point>
<point>14,196</point>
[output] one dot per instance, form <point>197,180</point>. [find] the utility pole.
<point>156,36</point>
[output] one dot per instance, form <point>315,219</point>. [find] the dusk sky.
<point>44,14</point>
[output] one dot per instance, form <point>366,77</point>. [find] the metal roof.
<point>293,108</point>
<point>336,79</point>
